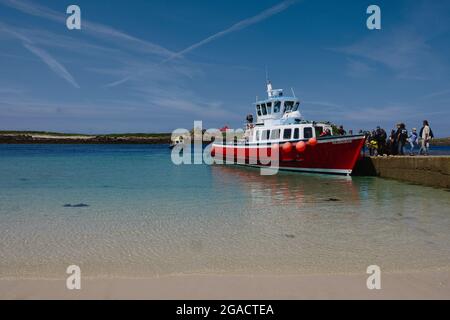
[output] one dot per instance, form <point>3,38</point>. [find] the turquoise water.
<point>145,216</point>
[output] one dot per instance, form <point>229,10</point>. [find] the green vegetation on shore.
<point>138,135</point>
<point>112,135</point>
<point>32,137</point>
<point>43,133</point>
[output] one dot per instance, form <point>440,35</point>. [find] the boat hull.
<point>331,155</point>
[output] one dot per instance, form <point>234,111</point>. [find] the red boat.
<point>282,139</point>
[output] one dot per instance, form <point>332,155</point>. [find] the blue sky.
<point>154,66</point>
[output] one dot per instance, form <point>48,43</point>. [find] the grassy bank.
<point>42,133</point>
<point>59,134</point>
<point>36,137</point>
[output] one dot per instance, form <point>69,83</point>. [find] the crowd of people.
<point>399,140</point>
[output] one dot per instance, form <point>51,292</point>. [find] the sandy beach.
<point>408,285</point>
<point>110,209</point>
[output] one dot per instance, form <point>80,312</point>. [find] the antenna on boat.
<point>293,92</point>
<point>269,85</point>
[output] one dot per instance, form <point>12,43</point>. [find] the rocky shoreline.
<point>35,139</point>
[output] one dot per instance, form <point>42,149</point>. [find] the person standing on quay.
<point>425,134</point>
<point>392,143</point>
<point>381,138</point>
<point>402,137</point>
<point>413,140</point>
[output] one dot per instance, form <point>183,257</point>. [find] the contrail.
<point>235,27</point>
<point>94,29</point>
<point>51,62</point>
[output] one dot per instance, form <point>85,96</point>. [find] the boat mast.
<point>269,85</point>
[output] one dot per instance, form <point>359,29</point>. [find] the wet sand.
<point>409,285</point>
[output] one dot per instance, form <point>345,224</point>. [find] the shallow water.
<point>140,215</point>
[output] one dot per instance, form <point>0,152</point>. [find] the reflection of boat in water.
<point>284,188</point>
<point>177,141</point>
<point>299,145</point>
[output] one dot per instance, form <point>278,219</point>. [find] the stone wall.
<point>429,171</point>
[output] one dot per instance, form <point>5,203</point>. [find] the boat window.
<point>275,134</point>
<point>319,131</point>
<point>277,106</point>
<point>307,133</point>
<point>287,133</point>
<point>258,133</point>
<point>296,133</point>
<point>263,109</point>
<point>295,108</point>
<point>258,109</point>
<point>269,108</point>
<point>265,135</point>
<point>288,105</point>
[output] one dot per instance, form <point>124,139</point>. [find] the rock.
<point>80,205</point>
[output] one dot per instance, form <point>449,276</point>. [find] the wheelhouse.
<point>275,109</point>
<point>304,131</point>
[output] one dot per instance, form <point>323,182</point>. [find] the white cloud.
<point>437,94</point>
<point>358,69</point>
<point>403,51</point>
<point>405,47</point>
<point>94,29</point>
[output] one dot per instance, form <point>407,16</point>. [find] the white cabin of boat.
<point>278,119</point>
